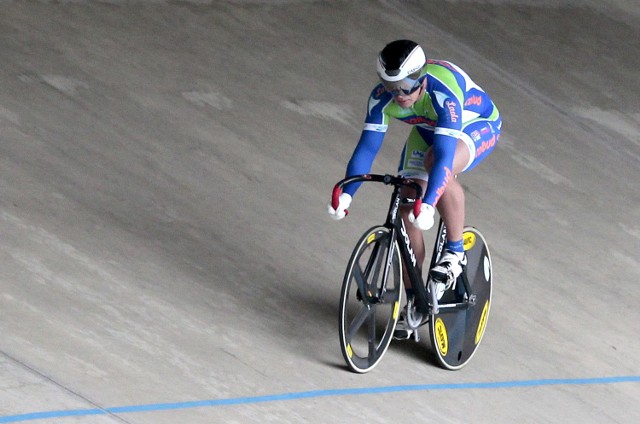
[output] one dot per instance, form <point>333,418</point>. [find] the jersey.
<point>450,101</point>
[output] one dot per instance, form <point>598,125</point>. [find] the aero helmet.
<point>399,66</point>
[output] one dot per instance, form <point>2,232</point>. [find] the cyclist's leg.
<point>482,136</point>
<point>478,140</point>
<point>412,166</point>
<point>451,203</point>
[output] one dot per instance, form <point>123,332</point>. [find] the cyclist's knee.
<point>460,159</point>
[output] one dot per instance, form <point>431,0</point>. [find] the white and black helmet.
<point>400,66</point>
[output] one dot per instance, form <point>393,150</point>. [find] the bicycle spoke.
<point>379,260</point>
<point>372,258</point>
<point>360,282</point>
<point>373,345</point>
<point>359,320</point>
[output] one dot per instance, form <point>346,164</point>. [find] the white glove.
<point>425,219</point>
<point>344,201</point>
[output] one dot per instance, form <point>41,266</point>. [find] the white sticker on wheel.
<point>487,268</point>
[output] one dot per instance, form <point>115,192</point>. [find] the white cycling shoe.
<point>446,272</point>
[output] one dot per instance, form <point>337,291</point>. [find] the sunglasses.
<point>404,87</point>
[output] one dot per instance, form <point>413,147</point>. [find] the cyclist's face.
<point>407,100</point>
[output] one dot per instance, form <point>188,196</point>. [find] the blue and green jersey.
<point>450,103</point>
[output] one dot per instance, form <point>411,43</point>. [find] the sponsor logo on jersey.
<point>375,127</point>
<point>442,63</point>
<point>451,105</point>
<point>448,132</point>
<point>417,154</point>
<point>415,120</point>
<point>443,187</point>
<point>473,100</point>
<point>486,145</point>
<point>475,135</point>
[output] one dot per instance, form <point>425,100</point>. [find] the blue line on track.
<point>314,394</point>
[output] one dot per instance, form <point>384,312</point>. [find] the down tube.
<point>409,257</point>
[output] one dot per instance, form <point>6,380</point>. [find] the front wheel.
<point>370,299</point>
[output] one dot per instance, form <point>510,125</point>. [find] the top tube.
<point>387,179</point>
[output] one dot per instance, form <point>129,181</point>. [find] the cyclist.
<point>455,126</point>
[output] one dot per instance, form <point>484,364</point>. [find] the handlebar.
<point>386,179</point>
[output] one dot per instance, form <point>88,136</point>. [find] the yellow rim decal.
<point>441,337</point>
<point>371,238</point>
<point>483,322</point>
<point>349,351</point>
<point>468,240</point>
<point>396,307</point>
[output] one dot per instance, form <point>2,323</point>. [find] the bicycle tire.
<point>456,335</point>
<point>367,321</point>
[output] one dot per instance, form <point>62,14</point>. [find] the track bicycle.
<point>371,297</point>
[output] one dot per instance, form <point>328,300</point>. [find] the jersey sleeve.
<point>363,156</point>
<point>371,139</point>
<point>445,139</point>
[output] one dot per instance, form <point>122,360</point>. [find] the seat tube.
<point>438,247</point>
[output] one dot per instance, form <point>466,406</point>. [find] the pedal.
<point>414,318</point>
<point>431,289</point>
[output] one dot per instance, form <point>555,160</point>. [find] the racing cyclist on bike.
<point>455,126</point>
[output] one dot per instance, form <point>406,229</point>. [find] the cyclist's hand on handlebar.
<point>344,201</point>
<point>425,218</point>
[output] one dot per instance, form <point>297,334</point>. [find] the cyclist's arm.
<point>375,127</point>
<point>445,140</point>
<point>363,156</point>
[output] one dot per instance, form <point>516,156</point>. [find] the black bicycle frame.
<point>398,230</point>
<point>396,225</point>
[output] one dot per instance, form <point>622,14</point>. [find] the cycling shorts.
<point>480,136</point>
